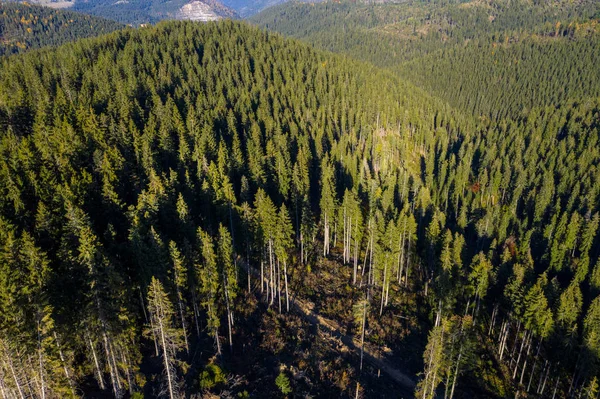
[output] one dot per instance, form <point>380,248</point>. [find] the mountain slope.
<point>137,12</point>
<point>463,52</point>
<point>152,154</point>
<point>25,26</point>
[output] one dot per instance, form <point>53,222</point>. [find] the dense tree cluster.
<point>136,166</point>
<point>24,26</point>
<point>150,178</point>
<point>496,58</point>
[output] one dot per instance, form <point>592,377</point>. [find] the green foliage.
<point>283,383</point>
<point>212,377</point>
<point>25,26</point>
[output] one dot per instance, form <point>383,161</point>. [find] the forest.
<point>214,210</point>
<point>496,59</point>
<point>25,26</point>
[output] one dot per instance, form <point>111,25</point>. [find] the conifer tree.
<point>168,338</point>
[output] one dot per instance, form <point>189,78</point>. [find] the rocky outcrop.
<point>197,11</point>
<point>207,10</point>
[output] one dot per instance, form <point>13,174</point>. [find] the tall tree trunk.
<point>195,310</point>
<point>15,378</point>
<point>64,364</point>
<point>167,363</point>
<point>526,358</point>
<point>279,285</point>
<point>218,341</point>
<point>229,317</point>
<point>407,261</point>
<point>272,278</point>
<point>401,254</point>
<point>114,378</point>
<point>542,374</point>
<point>383,289</point>
<point>97,365</point>
<point>512,354</point>
<point>525,336</point>
<point>355,263</point>
<point>127,370</point>
<point>287,296</point>
<point>534,364</point>
<point>3,389</point>
<point>456,372</point>
<point>362,334</point>
<point>301,248</point>
<point>182,315</point>
<point>262,278</point>
<point>41,366</point>
<point>546,379</point>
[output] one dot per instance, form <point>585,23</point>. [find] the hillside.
<point>25,26</point>
<point>136,12</point>
<point>481,56</point>
<point>159,153</point>
<point>215,210</point>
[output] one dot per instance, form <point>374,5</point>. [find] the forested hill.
<point>24,26</point>
<point>135,165</point>
<point>166,193</point>
<point>493,58</point>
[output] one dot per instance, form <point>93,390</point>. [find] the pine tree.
<point>168,338</point>
<point>229,272</point>
<point>207,275</point>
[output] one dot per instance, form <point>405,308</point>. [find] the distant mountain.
<point>248,8</point>
<point>137,12</point>
<point>25,26</point>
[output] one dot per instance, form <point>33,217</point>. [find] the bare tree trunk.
<point>3,389</point>
<point>127,370</point>
<point>401,254</point>
<point>542,374</point>
<point>355,266</point>
<point>218,341</point>
<point>113,373</point>
<point>167,363</point>
<point>287,296</point>
<point>97,365</point>
<point>64,364</point>
<point>512,355</point>
<point>362,335</point>
<point>229,317</point>
<point>555,387</point>
<point>181,312</point>
<point>456,372</point>
<point>526,358</point>
<point>279,285</point>
<point>301,248</point>
<point>41,366</point>
<point>407,262</point>
<point>520,351</point>
<point>154,337</point>
<point>365,262</point>
<point>545,380</point>
<point>262,278</point>
<point>493,322</point>
<point>383,288</point>
<point>273,277</point>
<point>534,364</point>
<point>15,378</point>
<point>195,310</point>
